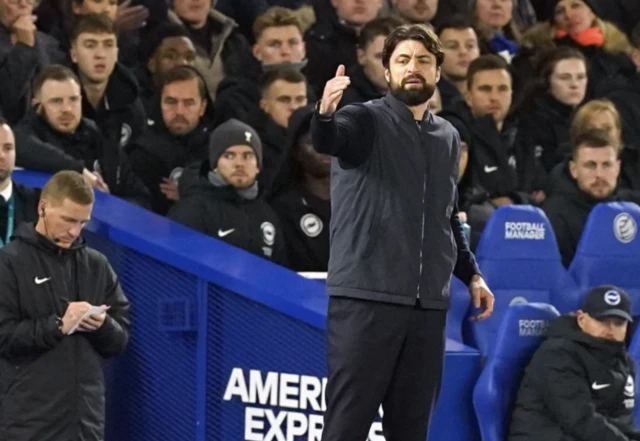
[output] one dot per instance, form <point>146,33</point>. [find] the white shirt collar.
<point>7,192</point>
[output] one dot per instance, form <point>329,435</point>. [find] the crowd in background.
<point>201,112</point>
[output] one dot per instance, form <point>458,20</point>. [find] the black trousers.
<point>379,353</point>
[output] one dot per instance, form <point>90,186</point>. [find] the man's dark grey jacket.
<point>395,232</point>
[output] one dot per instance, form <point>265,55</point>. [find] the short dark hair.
<point>593,138</point>
<point>459,22</point>
<point>379,27</point>
<point>484,63</point>
<point>95,24</point>
<point>287,74</point>
<point>150,44</point>
<point>550,59</point>
<point>70,185</point>
<point>53,72</point>
<point>185,73</point>
<point>417,32</point>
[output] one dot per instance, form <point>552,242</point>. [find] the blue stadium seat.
<point>460,301</point>
<point>609,250</point>
<point>634,352</point>
<point>519,257</point>
<point>518,337</point>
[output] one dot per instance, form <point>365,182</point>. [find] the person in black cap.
<point>579,385</point>
<point>220,196</point>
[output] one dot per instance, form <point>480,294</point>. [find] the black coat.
<point>568,208</point>
<point>361,88</point>
<point>576,388</point>
<point>498,165</point>
<point>543,132</point>
<point>121,116</point>
<point>329,44</point>
<point>19,64</point>
<point>222,213</point>
<point>305,222</point>
<point>158,154</point>
<point>53,385</point>
<point>40,148</point>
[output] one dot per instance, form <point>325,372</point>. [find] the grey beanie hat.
<point>230,133</point>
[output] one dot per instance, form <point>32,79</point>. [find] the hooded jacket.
<point>220,212</point>
<point>52,385</point>
<point>576,388</point>
<point>568,209</point>
<point>121,116</point>
<point>39,147</point>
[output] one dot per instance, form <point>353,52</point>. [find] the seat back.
<point>519,257</point>
<point>609,250</point>
<point>519,335</point>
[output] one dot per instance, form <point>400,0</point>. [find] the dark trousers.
<point>379,353</point>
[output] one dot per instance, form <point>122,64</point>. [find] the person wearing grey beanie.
<point>220,196</point>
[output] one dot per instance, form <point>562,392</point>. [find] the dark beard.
<point>412,97</point>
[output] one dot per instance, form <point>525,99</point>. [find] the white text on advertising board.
<point>282,406</point>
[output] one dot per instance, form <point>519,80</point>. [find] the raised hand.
<point>333,91</point>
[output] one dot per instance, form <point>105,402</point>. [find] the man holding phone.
<point>62,312</point>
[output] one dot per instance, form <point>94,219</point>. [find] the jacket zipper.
<point>424,193</point>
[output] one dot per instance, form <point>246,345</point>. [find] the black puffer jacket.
<point>576,388</point>
<point>52,385</point>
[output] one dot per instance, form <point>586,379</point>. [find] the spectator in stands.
<point>221,49</point>
<point>50,279</point>
<point>24,50</point>
<point>167,46</point>
<point>304,203</point>
<point>460,46</point>
<point>612,73</point>
<point>54,136</point>
<point>283,91</point>
<point>279,44</point>
<point>580,383</point>
<point>499,173</point>
<point>60,21</point>
<point>545,114</point>
<point>416,11</point>
<point>219,196</point>
<point>18,203</point>
<point>178,137</point>
<point>587,179</point>
<point>333,39</point>
<point>602,114</point>
<point>367,75</point>
<point>497,30</point>
<point>109,90</point>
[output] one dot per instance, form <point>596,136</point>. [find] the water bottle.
<point>466,228</point>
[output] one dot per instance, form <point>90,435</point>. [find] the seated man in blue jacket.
<point>579,385</point>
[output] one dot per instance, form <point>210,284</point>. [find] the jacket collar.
<point>401,109</point>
